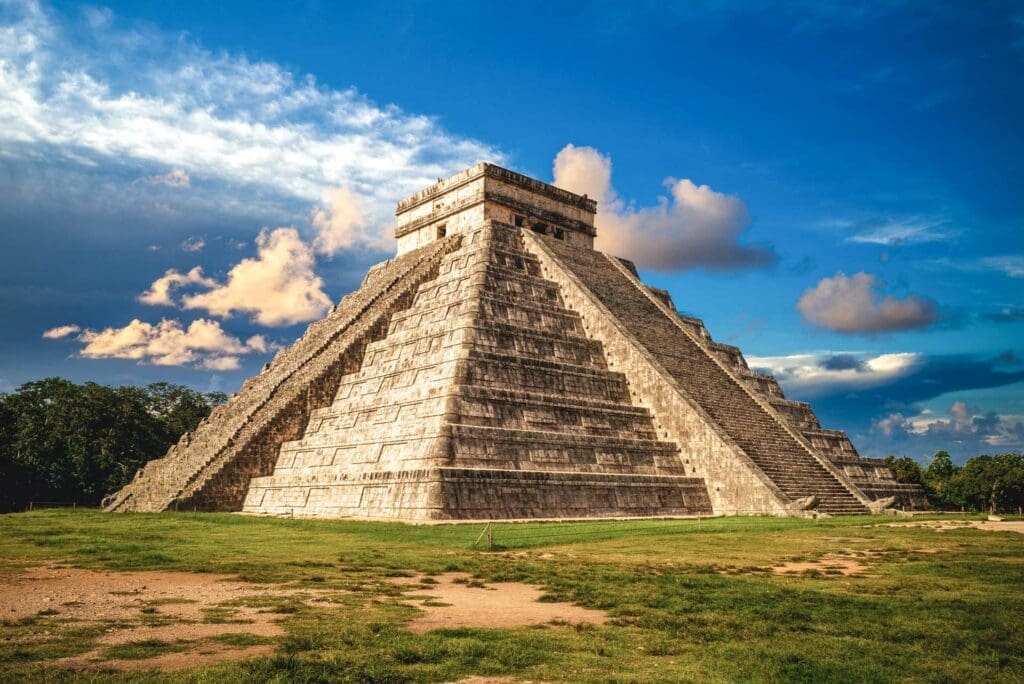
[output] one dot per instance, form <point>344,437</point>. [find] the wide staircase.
<point>484,400</point>
<point>759,433</point>
<point>210,468</point>
<point>536,392</point>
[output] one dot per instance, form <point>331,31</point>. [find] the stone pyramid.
<point>501,368</point>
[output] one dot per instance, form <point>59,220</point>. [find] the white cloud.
<point>813,374</point>
<point>1011,265</point>
<point>203,343</point>
<point>221,363</point>
<point>342,225</point>
<point>893,232</point>
<point>175,178</point>
<point>159,293</point>
<point>141,99</point>
<point>849,304</point>
<point>60,331</point>
<point>695,227</point>
<point>963,425</point>
<point>278,287</point>
<point>193,244</point>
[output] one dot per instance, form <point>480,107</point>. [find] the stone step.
<point>547,377</point>
<point>520,410</point>
<point>479,447</point>
<point>761,435</point>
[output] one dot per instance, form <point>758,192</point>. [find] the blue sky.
<point>834,189</point>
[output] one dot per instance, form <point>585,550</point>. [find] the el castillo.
<point>500,368</point>
<point>505,458</point>
<point>471,342</point>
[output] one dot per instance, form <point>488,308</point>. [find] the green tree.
<point>905,469</point>
<point>60,441</point>
<point>990,483</point>
<point>937,478</point>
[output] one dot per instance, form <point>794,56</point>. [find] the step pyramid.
<point>501,368</point>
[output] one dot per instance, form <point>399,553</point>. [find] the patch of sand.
<point>943,525</point>
<point>451,604</point>
<point>846,563</point>
<point>830,564</point>
<point>126,601</point>
<point>106,595</point>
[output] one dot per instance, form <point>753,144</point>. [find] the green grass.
<point>689,601</point>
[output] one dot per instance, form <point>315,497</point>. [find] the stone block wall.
<point>209,469</point>
<point>749,424</point>
<point>487,396</point>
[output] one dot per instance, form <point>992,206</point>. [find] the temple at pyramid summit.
<point>498,367</point>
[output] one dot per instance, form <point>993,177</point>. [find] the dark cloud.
<point>843,362</point>
<point>878,417</point>
<point>1008,357</point>
<point>933,377</point>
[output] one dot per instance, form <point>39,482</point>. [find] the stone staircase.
<point>700,366</point>
<point>485,399</point>
<point>210,468</point>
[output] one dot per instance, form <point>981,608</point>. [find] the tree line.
<point>75,443</point>
<point>984,483</point>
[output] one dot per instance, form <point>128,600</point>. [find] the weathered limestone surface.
<point>210,468</point>
<point>484,400</point>
<point>499,367</point>
<point>869,478</point>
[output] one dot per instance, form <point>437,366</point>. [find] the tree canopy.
<point>67,442</point>
<point>983,483</point>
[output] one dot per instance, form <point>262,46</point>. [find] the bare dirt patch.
<point>830,564</point>
<point>456,601</point>
<point>944,525</point>
<point>190,611</point>
<point>846,563</point>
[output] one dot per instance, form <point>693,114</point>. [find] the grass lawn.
<point>689,600</point>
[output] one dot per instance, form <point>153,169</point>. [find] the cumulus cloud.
<point>814,374</point>
<point>693,227</point>
<point>278,287</point>
<point>175,178</point>
<point>203,344</point>
<point>60,331</point>
<point>155,100</point>
<point>159,293</point>
<point>193,244</point>
<point>341,225</point>
<point>962,425</point>
<point>849,304</point>
<point>220,363</point>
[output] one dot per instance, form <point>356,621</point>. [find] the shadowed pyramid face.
<point>501,368</point>
<point>487,192</point>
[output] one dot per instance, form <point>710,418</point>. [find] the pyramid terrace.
<point>501,368</point>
